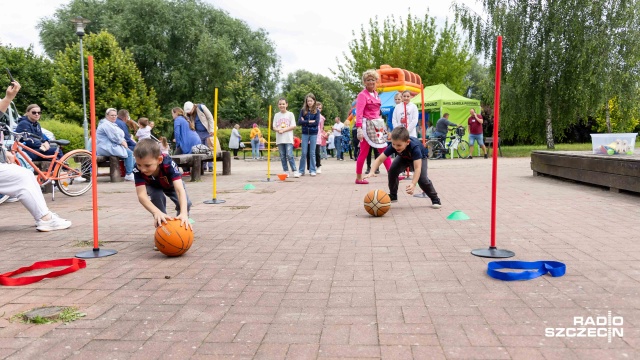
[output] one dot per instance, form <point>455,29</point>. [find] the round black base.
<point>493,252</point>
<point>95,253</point>
<point>215,201</point>
<point>421,195</point>
<point>266,180</point>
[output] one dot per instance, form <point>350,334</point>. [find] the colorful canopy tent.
<point>439,99</point>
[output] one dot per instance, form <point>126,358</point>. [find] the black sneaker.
<point>394,198</point>
<point>368,171</point>
<point>470,157</point>
<point>377,171</point>
<point>436,204</point>
<point>485,156</point>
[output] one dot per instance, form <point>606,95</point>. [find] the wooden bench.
<point>116,164</point>
<point>488,142</point>
<point>194,162</point>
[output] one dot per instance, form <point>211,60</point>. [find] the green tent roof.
<point>437,96</point>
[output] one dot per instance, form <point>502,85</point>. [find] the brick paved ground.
<point>298,270</point>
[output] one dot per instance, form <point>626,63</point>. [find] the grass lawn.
<point>525,150</point>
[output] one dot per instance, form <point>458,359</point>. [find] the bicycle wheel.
<point>74,173</point>
<point>436,149</point>
<point>464,149</point>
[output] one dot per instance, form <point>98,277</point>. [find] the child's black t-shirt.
<point>168,174</point>
<point>413,151</point>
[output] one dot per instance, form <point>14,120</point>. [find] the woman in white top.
<point>406,114</point>
<point>234,140</point>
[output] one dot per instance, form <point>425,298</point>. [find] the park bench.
<point>488,142</point>
<point>116,164</point>
<point>194,163</point>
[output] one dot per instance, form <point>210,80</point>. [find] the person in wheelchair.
<point>40,142</point>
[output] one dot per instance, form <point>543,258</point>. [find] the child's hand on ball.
<point>159,218</point>
<point>184,221</point>
<point>410,189</point>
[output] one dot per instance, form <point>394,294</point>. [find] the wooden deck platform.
<point>615,172</point>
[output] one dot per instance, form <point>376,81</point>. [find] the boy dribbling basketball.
<point>157,177</point>
<point>410,151</point>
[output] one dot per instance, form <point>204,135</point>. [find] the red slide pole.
<point>493,252</point>
<point>96,252</point>
<point>496,126</point>
<point>94,149</point>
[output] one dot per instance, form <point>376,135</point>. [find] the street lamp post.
<point>80,23</point>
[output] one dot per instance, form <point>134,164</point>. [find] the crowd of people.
<point>147,159</point>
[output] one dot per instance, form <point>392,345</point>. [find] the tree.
<point>335,100</point>
<point>415,45</point>
<point>562,61</point>
<point>241,100</point>
<point>184,48</point>
<point>118,83</point>
<point>33,72</point>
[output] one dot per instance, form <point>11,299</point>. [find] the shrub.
<point>67,131</point>
<point>225,134</point>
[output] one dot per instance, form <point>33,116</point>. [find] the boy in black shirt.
<point>410,151</point>
<point>161,179</point>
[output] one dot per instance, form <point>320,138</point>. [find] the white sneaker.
<point>318,171</point>
<point>128,177</point>
<point>56,223</point>
<point>79,179</point>
<point>296,174</point>
<point>312,174</point>
<point>11,199</point>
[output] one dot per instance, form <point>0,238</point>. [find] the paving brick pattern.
<point>298,270</point>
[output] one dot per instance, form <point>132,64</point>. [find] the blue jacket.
<point>309,123</point>
<point>185,137</point>
<point>127,135</point>
<point>109,140</point>
<point>26,125</point>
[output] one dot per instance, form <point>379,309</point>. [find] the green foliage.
<point>331,93</point>
<point>241,100</point>
<point>413,44</point>
<point>33,72</point>
<point>67,131</point>
<point>184,48</point>
<point>562,61</point>
<point>525,150</point>
<point>118,82</point>
<point>620,122</point>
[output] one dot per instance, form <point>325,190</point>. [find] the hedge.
<point>67,131</point>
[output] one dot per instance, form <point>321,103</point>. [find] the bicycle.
<point>71,173</point>
<point>439,150</point>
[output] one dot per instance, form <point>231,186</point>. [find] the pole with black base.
<point>268,179</point>
<point>214,199</point>
<point>96,252</point>
<point>493,251</point>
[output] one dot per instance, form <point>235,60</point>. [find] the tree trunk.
<point>607,116</point>
<point>550,143</point>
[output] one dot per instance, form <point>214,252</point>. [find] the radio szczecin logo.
<point>590,327</point>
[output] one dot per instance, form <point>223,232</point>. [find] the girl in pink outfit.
<point>367,107</point>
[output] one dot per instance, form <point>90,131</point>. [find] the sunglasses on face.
<point>36,113</point>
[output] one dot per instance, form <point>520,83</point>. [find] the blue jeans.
<point>204,135</point>
<point>337,141</point>
<point>308,149</point>
<point>286,154</point>
<point>128,162</point>
<point>255,148</point>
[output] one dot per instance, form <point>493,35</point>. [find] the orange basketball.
<point>173,239</point>
<point>377,202</point>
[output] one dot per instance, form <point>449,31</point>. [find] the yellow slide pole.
<point>269,124</point>
<point>215,200</point>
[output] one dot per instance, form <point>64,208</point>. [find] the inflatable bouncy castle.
<point>396,79</point>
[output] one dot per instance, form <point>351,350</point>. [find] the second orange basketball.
<point>377,202</point>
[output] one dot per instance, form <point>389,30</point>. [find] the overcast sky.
<point>288,22</point>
